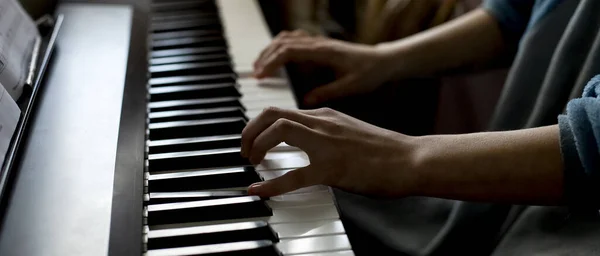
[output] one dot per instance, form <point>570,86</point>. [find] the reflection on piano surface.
<point>192,186</point>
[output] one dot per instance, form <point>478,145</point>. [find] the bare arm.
<point>523,166</point>
<point>470,39</point>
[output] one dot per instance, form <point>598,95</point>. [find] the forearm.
<point>473,38</point>
<point>523,166</point>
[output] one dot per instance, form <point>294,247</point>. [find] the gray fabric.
<point>524,82</point>
<point>556,57</point>
<point>552,231</point>
<point>534,98</point>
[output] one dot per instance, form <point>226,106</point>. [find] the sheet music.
<point>18,35</point>
<point>9,117</point>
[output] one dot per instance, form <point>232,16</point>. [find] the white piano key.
<point>210,249</point>
<point>274,155</point>
<point>307,229</point>
<point>282,163</point>
<point>284,147</point>
<point>307,213</point>
<point>283,215</point>
<point>314,244</point>
<point>300,200</point>
<point>336,253</point>
<point>246,31</point>
<point>260,105</point>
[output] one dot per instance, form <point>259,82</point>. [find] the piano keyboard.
<point>200,98</point>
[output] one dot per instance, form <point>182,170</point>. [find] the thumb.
<point>288,182</point>
<point>336,89</point>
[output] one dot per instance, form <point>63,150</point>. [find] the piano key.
<point>202,179</point>
<point>196,114</point>
<point>195,104</point>
<point>185,25</point>
<point>196,79</point>
<point>271,164</point>
<point>192,144</point>
<point>185,33</point>
<point>188,42</point>
<point>210,234</point>
<point>335,253</point>
<point>284,215</point>
<point>305,199</point>
<point>191,69</point>
<point>170,6</point>
<point>307,229</point>
<point>248,248</point>
<point>314,244</point>
<point>173,197</point>
<point>183,92</point>
<point>261,105</point>
<point>189,58</point>
<point>196,160</point>
<point>182,15</point>
<point>198,128</point>
<point>188,51</point>
<point>207,210</point>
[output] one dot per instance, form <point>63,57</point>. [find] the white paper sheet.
<point>9,117</point>
<point>18,35</point>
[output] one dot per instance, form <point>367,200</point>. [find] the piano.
<point>134,145</point>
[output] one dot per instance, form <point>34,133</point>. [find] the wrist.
<point>392,57</point>
<point>406,164</point>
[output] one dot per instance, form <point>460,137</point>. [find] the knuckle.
<point>270,111</point>
<point>283,50</point>
<point>299,32</point>
<point>282,124</point>
<point>325,111</point>
<point>283,33</point>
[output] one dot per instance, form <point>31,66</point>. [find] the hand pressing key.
<point>344,152</point>
<point>359,68</point>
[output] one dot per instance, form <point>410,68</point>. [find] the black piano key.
<point>196,114</point>
<point>187,51</point>
<point>201,23</point>
<point>197,79</point>
<point>201,159</point>
<point>201,179</point>
<point>183,92</point>
<point>246,248</point>
<point>195,104</point>
<point>189,42</point>
<point>171,6</point>
<point>192,129</point>
<point>182,15</point>
<point>211,234</point>
<point>207,210</point>
<point>193,144</point>
<point>174,197</point>
<point>189,58</point>
<point>180,69</point>
<point>185,33</point>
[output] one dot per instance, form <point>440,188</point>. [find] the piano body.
<point>133,148</point>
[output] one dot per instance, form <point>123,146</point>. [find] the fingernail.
<point>254,189</point>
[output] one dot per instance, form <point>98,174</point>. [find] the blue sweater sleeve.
<point>580,147</point>
<point>512,16</point>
